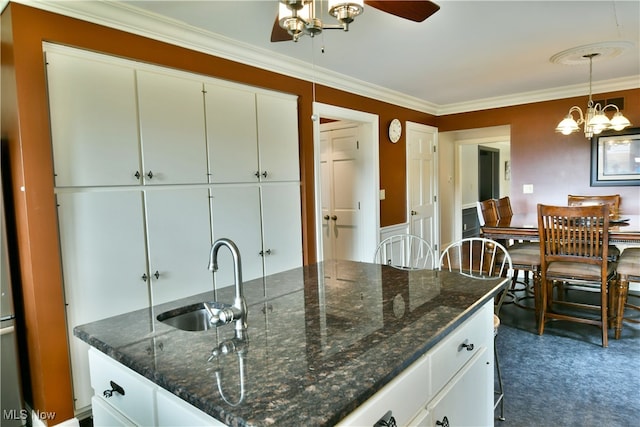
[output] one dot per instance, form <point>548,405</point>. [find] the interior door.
<point>422,185</point>
<point>488,173</point>
<point>340,165</point>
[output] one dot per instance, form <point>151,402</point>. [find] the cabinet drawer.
<point>450,355</point>
<point>104,415</point>
<point>138,401</point>
<point>405,396</point>
<point>173,411</point>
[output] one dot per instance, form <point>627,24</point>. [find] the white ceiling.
<point>468,55</point>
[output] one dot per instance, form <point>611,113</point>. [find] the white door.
<point>341,199</point>
<point>103,261</point>
<point>179,235</point>
<point>422,188</point>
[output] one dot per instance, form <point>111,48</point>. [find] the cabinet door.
<point>467,400</point>
<point>103,414</point>
<point>231,134</point>
<point>281,227</point>
<point>236,216</point>
<point>103,260</point>
<point>172,129</point>
<point>94,128</point>
<point>173,411</point>
<point>278,137</point>
<point>179,235</point>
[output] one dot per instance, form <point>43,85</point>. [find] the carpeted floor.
<point>565,377</point>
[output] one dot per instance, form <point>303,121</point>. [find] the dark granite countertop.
<point>322,339</point>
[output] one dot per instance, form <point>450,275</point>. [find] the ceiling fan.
<point>298,17</point>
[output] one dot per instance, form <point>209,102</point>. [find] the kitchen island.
<point>323,341</point>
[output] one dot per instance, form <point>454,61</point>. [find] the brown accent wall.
<point>555,164</point>
<point>27,132</point>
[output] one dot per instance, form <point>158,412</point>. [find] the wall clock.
<point>395,130</point>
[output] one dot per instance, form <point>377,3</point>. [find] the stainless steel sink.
<point>194,317</point>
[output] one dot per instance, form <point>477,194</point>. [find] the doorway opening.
<point>488,173</point>
<point>359,192</point>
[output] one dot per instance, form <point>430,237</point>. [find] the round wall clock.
<point>395,130</point>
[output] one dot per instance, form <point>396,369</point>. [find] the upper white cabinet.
<point>252,135</point>
<point>113,125</point>
<point>231,134</point>
<point>278,137</point>
<point>94,125</point>
<point>172,129</point>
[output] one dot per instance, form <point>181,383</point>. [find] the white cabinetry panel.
<point>172,129</point>
<point>278,137</point>
<point>236,216</point>
<point>179,233</point>
<point>94,126</point>
<point>281,226</point>
<point>103,260</point>
<point>231,134</point>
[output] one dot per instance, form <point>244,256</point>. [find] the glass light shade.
<point>567,126</point>
<point>619,122</point>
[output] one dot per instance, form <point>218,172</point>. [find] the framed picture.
<point>615,158</point>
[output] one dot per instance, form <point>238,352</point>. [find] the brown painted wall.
<point>555,164</point>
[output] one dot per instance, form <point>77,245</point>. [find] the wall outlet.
<point>527,189</point>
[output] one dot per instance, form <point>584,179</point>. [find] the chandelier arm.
<point>577,109</point>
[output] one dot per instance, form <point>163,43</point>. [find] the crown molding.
<point>136,21</point>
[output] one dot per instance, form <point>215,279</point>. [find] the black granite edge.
<point>420,351</point>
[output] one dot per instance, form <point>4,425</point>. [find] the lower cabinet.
<point>454,380</point>
<point>125,398</point>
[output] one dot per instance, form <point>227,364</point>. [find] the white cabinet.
<point>264,220</point>
<point>94,126</point>
<point>453,380</point>
<point>172,129</point>
<point>252,136</point>
<point>179,240</point>
<point>114,125</point>
<point>124,250</point>
<point>143,402</point>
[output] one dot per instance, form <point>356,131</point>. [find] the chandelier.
<point>298,17</point>
<point>594,120</point>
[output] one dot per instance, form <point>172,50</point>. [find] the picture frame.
<point>615,158</point>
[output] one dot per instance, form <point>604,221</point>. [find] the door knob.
<point>333,217</point>
<point>326,217</point>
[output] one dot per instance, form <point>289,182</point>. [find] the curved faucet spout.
<point>239,304</point>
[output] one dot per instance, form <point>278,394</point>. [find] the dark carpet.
<point>565,377</point>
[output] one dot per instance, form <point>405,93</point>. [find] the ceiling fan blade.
<point>279,34</point>
<point>414,10</point>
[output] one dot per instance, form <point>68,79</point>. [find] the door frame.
<point>370,204</point>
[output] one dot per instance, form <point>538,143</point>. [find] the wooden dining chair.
<point>487,212</point>
<point>574,241</point>
<point>628,270</point>
<point>503,207</point>
<point>482,258</point>
<point>405,252</point>
<point>613,200</point>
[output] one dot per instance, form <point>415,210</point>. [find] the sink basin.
<point>194,317</point>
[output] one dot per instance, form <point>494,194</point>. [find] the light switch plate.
<point>382,194</point>
<point>527,189</point>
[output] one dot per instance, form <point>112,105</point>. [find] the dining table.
<point>624,229</point>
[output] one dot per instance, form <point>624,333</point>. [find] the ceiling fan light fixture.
<point>345,11</point>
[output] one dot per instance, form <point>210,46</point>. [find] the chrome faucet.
<point>238,311</point>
